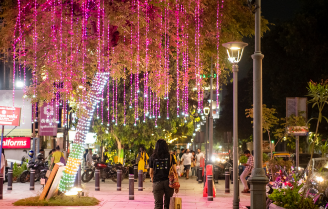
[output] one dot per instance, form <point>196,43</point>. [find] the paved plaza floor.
<point>191,193</point>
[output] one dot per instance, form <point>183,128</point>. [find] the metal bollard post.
<point>1,186</point>
<point>32,174</point>
<point>216,175</point>
<point>97,178</point>
<point>10,179</point>
<point>135,173</point>
<point>200,172</point>
<point>131,186</point>
<point>209,188</point>
<point>197,168</point>
<point>79,176</point>
<point>119,178</point>
<point>227,178</point>
<point>140,180</point>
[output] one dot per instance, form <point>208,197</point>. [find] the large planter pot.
<point>273,206</point>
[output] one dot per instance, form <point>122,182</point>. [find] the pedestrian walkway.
<point>191,193</point>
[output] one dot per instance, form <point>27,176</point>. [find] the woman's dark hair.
<point>57,148</point>
<point>161,149</point>
<point>142,148</point>
<point>50,152</point>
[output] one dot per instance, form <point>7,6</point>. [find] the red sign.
<point>16,143</point>
<point>10,116</point>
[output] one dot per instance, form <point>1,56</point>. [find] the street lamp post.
<point>206,112</point>
<point>235,52</point>
<point>258,180</point>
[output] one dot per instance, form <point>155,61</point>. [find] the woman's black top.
<point>161,167</point>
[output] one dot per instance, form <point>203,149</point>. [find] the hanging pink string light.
<point>177,59</point>
<point>108,104</point>
<point>116,101</point>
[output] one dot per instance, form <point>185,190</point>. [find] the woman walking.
<point>142,160</point>
<point>160,164</point>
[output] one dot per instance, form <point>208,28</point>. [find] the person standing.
<point>56,156</point>
<point>89,159</point>
<point>142,160</point>
<point>50,158</point>
<point>186,159</point>
<point>160,164</point>
<point>193,164</point>
<point>249,166</point>
<point>3,163</point>
<point>199,156</point>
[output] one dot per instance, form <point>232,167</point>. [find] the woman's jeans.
<point>193,171</point>
<point>159,189</point>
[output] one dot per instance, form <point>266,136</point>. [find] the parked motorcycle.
<point>106,172</point>
<point>40,170</point>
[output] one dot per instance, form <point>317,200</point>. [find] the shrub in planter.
<point>18,170</point>
<point>291,199</point>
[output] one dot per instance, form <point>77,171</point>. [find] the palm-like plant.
<point>319,97</point>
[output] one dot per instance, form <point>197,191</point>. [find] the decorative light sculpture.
<point>76,154</point>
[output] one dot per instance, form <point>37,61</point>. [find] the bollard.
<point>32,174</point>
<point>231,176</point>
<point>1,186</point>
<point>197,168</point>
<point>79,177</point>
<point>216,175</point>
<point>227,178</point>
<point>131,186</point>
<point>200,172</point>
<point>135,173</point>
<point>97,178</point>
<point>140,180</point>
<point>210,188</point>
<point>10,179</point>
<point>119,179</point>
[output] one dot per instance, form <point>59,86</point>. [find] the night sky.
<point>274,11</point>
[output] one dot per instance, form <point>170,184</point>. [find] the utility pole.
<point>258,180</point>
<point>210,136</point>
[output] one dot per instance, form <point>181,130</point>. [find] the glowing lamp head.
<point>206,110</point>
<point>19,84</point>
<point>235,50</point>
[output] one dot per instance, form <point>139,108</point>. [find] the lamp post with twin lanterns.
<point>235,52</point>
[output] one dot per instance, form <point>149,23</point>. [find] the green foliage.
<point>243,159</point>
<point>18,170</point>
<point>291,199</point>
<point>265,157</point>
<point>269,120</point>
<point>319,98</point>
<point>59,200</point>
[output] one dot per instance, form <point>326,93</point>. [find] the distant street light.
<point>19,84</point>
<point>235,52</point>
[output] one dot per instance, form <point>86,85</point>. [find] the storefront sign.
<point>298,130</point>
<point>16,143</point>
<point>23,102</point>
<point>10,116</point>
<point>48,125</point>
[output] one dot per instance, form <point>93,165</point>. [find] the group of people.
<point>189,160</point>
